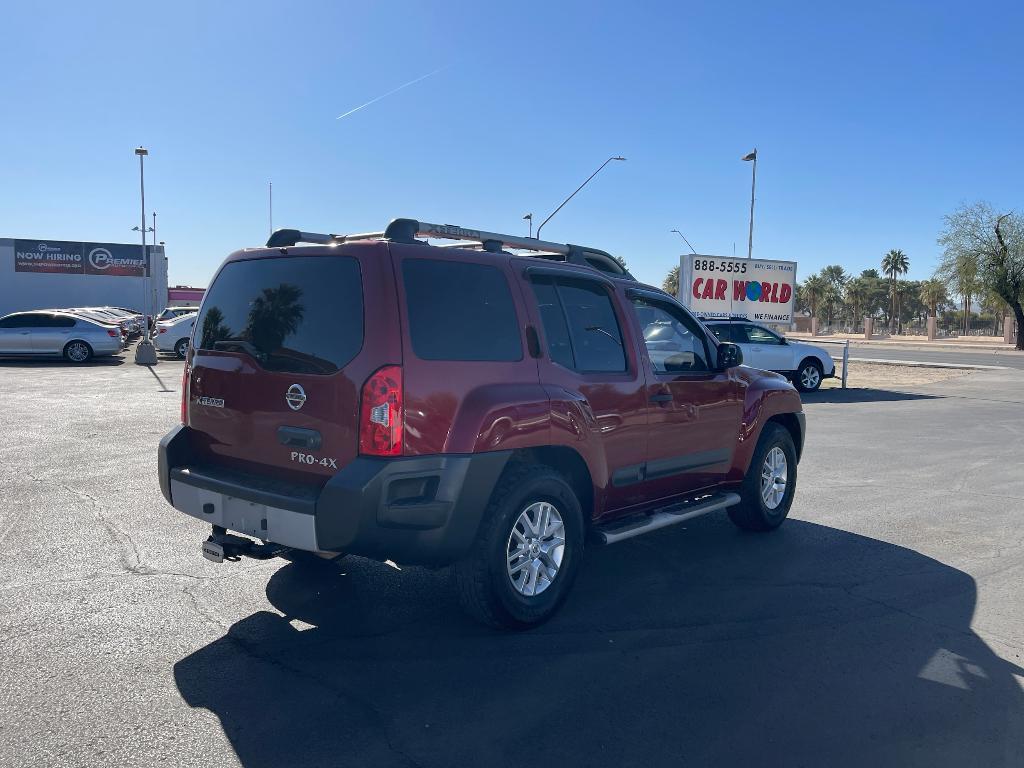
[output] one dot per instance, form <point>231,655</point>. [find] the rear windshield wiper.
<point>245,346</point>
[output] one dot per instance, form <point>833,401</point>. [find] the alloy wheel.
<point>810,377</point>
<point>774,476</point>
<point>535,548</point>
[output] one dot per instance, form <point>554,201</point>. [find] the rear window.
<point>460,311</point>
<point>299,314</point>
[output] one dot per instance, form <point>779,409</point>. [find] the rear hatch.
<point>282,345</point>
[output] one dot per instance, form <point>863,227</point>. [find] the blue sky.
<point>871,120</point>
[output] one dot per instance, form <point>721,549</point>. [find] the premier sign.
<point>756,289</point>
<point>69,258</point>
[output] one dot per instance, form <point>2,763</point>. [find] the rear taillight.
<point>381,415</point>
<point>112,333</point>
<point>185,380</point>
<point>163,330</point>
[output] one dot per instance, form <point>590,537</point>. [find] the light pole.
<point>529,217</point>
<point>145,352</point>
<point>685,240</point>
<point>570,197</point>
<point>751,157</point>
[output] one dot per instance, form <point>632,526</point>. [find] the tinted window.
<point>460,311</point>
<point>556,332</point>
<point>30,320</point>
<point>674,341</point>
<point>300,314</point>
<point>724,332</point>
<point>59,321</point>
<point>593,327</point>
<point>758,335</point>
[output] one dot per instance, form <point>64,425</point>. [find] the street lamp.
<point>529,217</point>
<point>685,240</point>
<point>751,157</point>
<point>145,352</point>
<point>570,197</point>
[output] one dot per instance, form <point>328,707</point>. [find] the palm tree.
<point>671,282</point>
<point>894,264</point>
<point>814,289</point>
<point>933,293</point>
<point>856,295</point>
<point>275,314</point>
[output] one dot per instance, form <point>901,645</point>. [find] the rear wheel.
<point>767,491</point>
<point>181,348</point>
<point>809,375</point>
<point>527,552</point>
<point>77,352</point>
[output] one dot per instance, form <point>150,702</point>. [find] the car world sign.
<point>70,258</point>
<point>756,289</point>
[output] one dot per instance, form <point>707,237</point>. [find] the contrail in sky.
<point>395,90</point>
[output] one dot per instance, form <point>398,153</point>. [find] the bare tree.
<point>976,238</point>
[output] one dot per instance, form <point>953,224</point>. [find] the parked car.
<point>173,335</point>
<point>46,333</point>
<point>172,312</point>
<point>99,316</point>
<point>806,365</point>
<point>465,406</point>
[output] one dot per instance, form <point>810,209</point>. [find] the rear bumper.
<point>421,510</point>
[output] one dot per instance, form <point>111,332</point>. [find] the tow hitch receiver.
<point>221,546</point>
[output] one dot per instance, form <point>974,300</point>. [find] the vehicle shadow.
<point>810,646</point>
<point>107,361</point>
<point>858,395</point>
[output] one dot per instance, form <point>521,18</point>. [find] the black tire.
<point>809,375</point>
<point>753,513</point>
<point>181,349</point>
<point>77,352</point>
<point>485,587</point>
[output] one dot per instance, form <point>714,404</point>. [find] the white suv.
<point>804,364</point>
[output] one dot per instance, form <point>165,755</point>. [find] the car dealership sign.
<point>70,258</point>
<point>756,289</point>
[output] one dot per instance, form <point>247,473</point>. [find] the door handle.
<point>662,398</point>
<point>296,437</point>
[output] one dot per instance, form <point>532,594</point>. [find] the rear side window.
<point>460,311</point>
<point>580,325</point>
<point>723,332</point>
<point>296,314</point>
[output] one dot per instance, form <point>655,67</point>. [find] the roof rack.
<point>407,230</point>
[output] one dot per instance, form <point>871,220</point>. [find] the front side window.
<point>724,332</point>
<point>674,342</point>
<point>460,311</point>
<point>300,314</point>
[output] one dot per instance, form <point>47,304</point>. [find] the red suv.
<point>489,404</point>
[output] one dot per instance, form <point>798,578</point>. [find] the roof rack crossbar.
<point>408,230</point>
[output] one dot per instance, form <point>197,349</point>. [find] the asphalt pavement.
<point>882,625</point>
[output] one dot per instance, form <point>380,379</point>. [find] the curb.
<point>924,364</point>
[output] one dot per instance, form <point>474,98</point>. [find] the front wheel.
<point>809,376</point>
<point>767,491</point>
<point>527,552</point>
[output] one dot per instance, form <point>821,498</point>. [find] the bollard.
<point>1008,330</point>
<point>814,326</point>
<point>931,328</point>
<point>869,327</point>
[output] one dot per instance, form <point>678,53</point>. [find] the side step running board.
<point>660,518</point>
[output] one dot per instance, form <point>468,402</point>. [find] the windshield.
<point>299,314</point>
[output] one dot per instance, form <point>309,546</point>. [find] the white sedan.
<point>173,335</point>
<point>804,364</point>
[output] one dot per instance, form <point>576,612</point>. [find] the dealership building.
<point>51,274</point>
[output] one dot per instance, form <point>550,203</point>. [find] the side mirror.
<point>729,356</point>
